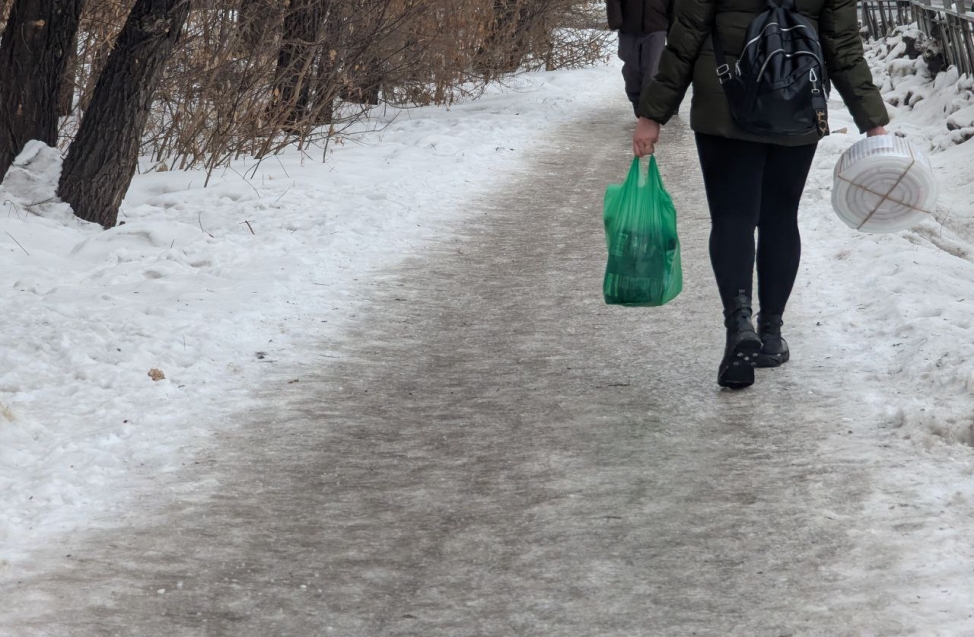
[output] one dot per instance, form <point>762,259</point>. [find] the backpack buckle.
<point>723,73</point>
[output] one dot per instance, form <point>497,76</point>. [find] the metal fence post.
<point>966,33</point>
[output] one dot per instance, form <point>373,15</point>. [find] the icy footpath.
<point>125,351</point>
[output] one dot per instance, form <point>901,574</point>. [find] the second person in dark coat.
<point>642,26</point>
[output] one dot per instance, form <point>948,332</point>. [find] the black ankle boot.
<point>774,349</point>
<point>743,345</point>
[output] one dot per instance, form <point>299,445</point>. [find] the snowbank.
<point>935,109</point>
<point>913,299</point>
<point>936,112</point>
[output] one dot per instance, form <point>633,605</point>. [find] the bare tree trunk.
<point>255,18</point>
<point>323,106</point>
<point>65,101</point>
<point>302,25</point>
<point>363,75</point>
<point>507,43</point>
<point>364,82</point>
<point>102,159</point>
<point>33,58</point>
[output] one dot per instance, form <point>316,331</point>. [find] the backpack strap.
<point>723,69</point>
<point>821,106</point>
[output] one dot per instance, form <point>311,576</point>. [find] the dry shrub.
<point>251,77</point>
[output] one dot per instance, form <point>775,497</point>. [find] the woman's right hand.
<point>645,138</point>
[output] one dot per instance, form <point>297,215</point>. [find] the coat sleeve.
<point>613,9</point>
<point>848,70</point>
<point>693,21</point>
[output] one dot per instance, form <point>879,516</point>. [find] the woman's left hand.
<point>875,132</point>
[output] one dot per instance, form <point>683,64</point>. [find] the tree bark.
<point>302,26</point>
<point>66,94</point>
<point>364,80</point>
<point>102,159</point>
<point>256,18</point>
<point>327,81</point>
<point>500,52</point>
<point>34,54</point>
<point>363,72</point>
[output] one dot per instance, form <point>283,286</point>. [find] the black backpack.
<point>779,87</point>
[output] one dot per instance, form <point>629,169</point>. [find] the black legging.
<point>752,185</point>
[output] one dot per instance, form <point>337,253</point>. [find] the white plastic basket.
<point>883,184</point>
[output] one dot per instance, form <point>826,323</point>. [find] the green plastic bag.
<point>644,251</point>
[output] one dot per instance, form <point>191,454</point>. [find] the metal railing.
<point>880,17</point>
<point>949,21</point>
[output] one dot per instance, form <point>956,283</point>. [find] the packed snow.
<point>127,350</point>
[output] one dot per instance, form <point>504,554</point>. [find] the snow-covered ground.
<point>211,286</point>
<point>924,316</point>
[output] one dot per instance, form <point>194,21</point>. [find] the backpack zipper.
<point>768,26</point>
<point>787,55</point>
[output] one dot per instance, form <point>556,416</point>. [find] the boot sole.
<point>772,360</point>
<point>737,370</point>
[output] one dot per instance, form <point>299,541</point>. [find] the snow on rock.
<point>961,119</point>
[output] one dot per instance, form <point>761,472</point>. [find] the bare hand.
<point>645,138</point>
<point>875,132</point>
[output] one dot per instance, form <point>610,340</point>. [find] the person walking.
<point>754,182</point>
<point>642,26</point>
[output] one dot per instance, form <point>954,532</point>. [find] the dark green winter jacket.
<point>689,57</point>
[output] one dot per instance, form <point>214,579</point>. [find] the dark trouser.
<point>640,54</point>
<point>754,186</point>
